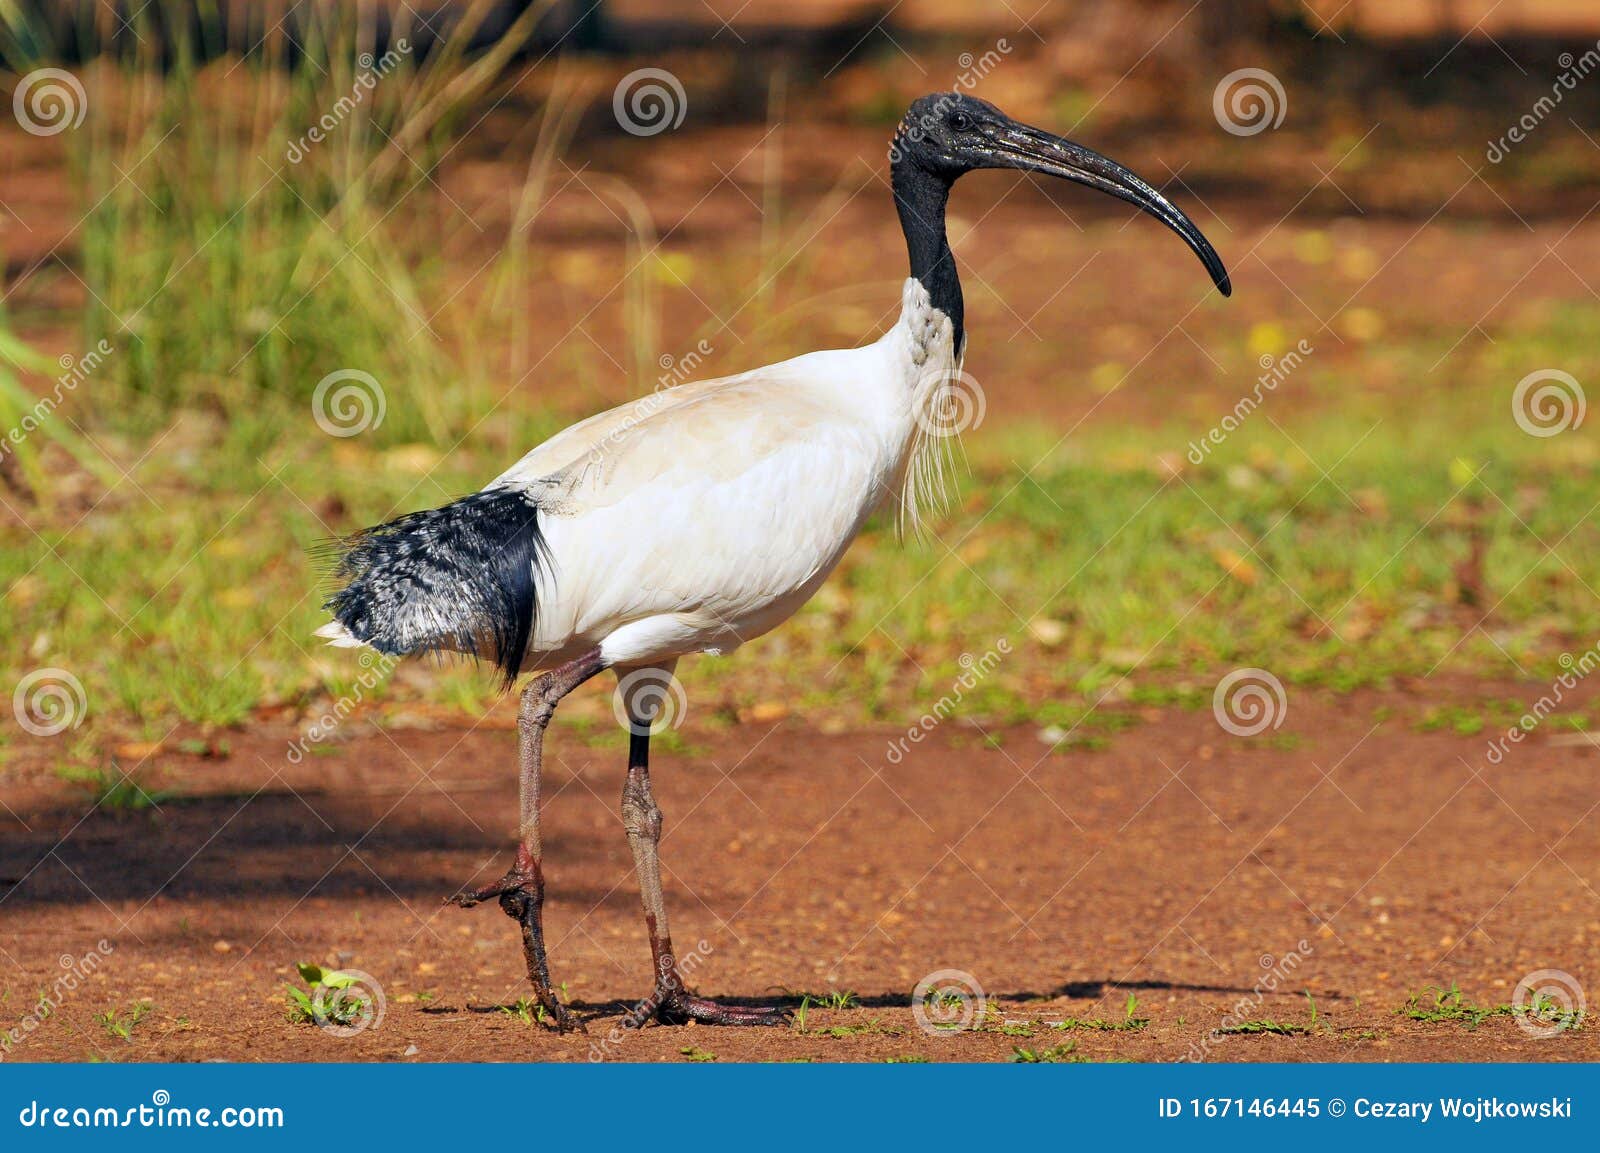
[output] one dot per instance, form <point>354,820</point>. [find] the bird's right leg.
<point>521,890</point>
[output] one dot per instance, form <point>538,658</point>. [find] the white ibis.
<point>699,518</point>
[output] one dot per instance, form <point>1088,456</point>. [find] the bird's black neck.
<point>919,197</point>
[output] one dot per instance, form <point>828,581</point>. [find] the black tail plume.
<point>458,578</point>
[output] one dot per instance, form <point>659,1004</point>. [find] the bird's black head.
<point>946,134</point>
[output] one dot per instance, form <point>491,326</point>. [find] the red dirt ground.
<point>1180,864</point>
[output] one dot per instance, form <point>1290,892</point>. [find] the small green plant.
<point>1458,719</point>
<point>313,1005</point>
<point>115,791</point>
<point>832,999</point>
<point>873,1027</point>
<point>906,1059</point>
<point>836,999</point>
<point>692,1053</point>
<point>1064,1053</point>
<point>527,1010</point>
<point>1264,1025</point>
<point>1130,1023</point>
<point>1548,1012</point>
<point>1436,1004</point>
<point>121,1025</point>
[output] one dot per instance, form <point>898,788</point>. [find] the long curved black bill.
<point>1019,146</point>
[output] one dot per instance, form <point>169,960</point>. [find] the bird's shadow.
<point>788,999</point>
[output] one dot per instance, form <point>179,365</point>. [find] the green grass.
<point>1438,1005</point>
<point>1271,1026</point>
<point>1065,1053</point>
<point>217,605</point>
<point>1130,1021</point>
<point>1264,1025</point>
<point>120,1024</point>
<point>113,791</point>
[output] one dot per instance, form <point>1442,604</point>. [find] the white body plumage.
<point>700,517</point>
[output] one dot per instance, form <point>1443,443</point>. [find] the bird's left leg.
<point>670,1001</point>
<point>521,890</point>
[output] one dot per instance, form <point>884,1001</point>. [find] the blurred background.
<point>502,236</point>
<point>274,271</point>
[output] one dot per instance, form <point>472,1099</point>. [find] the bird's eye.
<point>960,121</point>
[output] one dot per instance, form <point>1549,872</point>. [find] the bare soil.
<point>1216,878</point>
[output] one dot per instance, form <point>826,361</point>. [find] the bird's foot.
<point>675,1007</point>
<point>521,896</point>
<point>523,877</point>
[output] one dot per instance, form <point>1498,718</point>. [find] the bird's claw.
<point>514,883</point>
<point>679,1008</point>
<point>563,1017</point>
